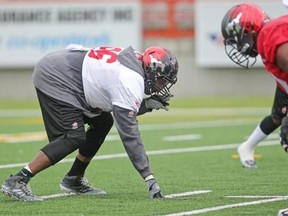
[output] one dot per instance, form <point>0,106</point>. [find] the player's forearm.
<point>127,127</point>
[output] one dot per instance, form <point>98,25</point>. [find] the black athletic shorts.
<point>61,120</point>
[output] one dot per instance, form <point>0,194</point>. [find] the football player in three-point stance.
<point>247,32</point>
<point>79,86</point>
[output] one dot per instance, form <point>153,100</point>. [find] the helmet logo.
<point>155,63</point>
<point>234,22</point>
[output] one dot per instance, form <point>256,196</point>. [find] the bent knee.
<point>60,148</point>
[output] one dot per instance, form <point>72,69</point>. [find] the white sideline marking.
<point>205,210</point>
<point>189,193</point>
<point>182,137</point>
<point>52,196</point>
<point>156,152</point>
<point>255,196</point>
<point>170,196</point>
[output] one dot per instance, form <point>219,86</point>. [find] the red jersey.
<point>273,34</point>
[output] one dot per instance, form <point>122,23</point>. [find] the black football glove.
<point>154,189</point>
<point>284,134</point>
<point>154,102</point>
<point>162,98</point>
<point>158,101</point>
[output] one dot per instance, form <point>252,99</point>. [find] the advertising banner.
<point>30,29</point>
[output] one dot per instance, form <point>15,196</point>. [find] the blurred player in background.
<point>247,31</point>
<point>79,86</point>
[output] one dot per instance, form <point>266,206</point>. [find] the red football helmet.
<point>161,69</point>
<point>240,27</point>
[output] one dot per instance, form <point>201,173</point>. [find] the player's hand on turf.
<point>154,189</point>
<point>284,134</point>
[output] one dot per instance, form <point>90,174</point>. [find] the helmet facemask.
<point>161,84</point>
<point>241,48</point>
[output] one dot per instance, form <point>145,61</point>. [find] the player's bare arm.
<point>282,57</point>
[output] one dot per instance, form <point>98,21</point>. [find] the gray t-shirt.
<point>59,75</point>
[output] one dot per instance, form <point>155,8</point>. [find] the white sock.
<point>255,138</point>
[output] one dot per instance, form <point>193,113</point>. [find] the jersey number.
<point>110,52</point>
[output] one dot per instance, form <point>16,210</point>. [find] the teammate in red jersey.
<point>247,32</point>
<point>78,86</point>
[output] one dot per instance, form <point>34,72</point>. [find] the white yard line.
<point>170,196</point>
<point>156,152</point>
<point>52,196</point>
<point>183,137</point>
<point>216,208</point>
<point>199,211</point>
<point>189,193</point>
<point>257,196</point>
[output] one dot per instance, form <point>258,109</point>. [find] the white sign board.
<point>30,30</point>
<point>209,48</point>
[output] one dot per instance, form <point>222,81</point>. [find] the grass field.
<point>192,149</point>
